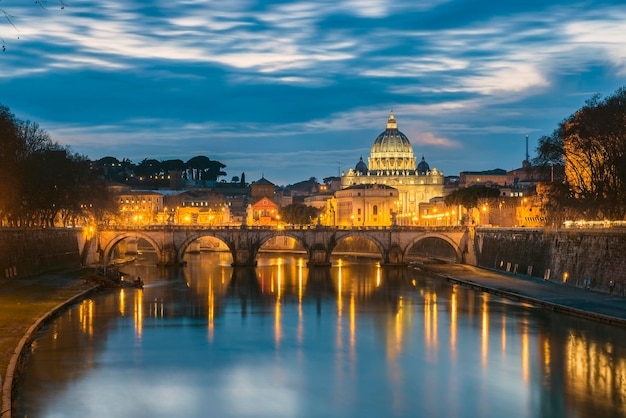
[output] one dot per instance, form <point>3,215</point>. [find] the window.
<point>375,210</point>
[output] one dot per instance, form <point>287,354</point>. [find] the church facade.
<point>392,163</point>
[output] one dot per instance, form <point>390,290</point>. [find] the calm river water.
<point>355,340</point>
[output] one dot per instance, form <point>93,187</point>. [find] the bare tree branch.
<point>9,17</point>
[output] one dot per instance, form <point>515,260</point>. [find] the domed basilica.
<point>392,163</point>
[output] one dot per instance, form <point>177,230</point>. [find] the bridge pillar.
<point>318,256</point>
<point>394,256</point>
<point>244,257</point>
<point>169,257</point>
<point>470,257</point>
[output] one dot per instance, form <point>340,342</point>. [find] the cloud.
<point>430,139</point>
<point>277,78</point>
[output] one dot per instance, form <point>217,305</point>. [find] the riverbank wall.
<point>589,258</point>
<point>26,252</point>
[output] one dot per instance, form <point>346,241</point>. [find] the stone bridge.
<point>171,242</point>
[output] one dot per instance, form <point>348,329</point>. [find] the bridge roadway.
<point>172,241</point>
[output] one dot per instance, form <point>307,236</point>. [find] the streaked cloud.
<point>131,77</point>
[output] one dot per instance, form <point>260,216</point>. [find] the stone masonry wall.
<point>588,258</point>
<point>25,252</point>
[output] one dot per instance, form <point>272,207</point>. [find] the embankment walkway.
<point>605,307</point>
<point>24,304</point>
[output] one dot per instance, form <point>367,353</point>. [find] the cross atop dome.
<point>391,122</point>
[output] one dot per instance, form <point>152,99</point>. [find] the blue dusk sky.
<point>299,89</point>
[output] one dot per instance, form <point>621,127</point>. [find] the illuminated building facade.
<point>392,163</point>
<point>362,205</point>
<point>262,209</point>
<point>139,207</point>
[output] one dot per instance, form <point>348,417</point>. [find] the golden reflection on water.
<point>430,323</point>
<point>547,372</point>
<point>453,322</point>
<point>122,302</point>
<point>339,331</point>
<point>277,310</point>
<point>485,331</point>
<point>86,316</point>
<point>138,313</point>
<point>300,337</point>
<point>352,327</point>
<point>591,368</point>
<point>503,335</point>
<point>211,309</point>
<point>573,361</point>
<point>525,352</point>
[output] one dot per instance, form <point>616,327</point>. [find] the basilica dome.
<point>423,167</point>
<point>361,167</point>
<point>392,150</point>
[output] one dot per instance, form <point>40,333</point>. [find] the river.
<point>355,340</point>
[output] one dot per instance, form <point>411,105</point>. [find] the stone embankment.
<point>586,258</point>
<point>25,252</point>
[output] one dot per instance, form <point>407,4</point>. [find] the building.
<point>495,177</point>
<point>139,207</point>
<point>262,208</point>
<point>204,207</point>
<point>260,189</point>
<point>264,212</point>
<point>437,213</point>
<point>392,163</point>
<point>362,205</point>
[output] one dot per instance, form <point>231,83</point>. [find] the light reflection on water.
<point>281,340</point>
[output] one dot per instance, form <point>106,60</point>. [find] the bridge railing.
<point>162,227</point>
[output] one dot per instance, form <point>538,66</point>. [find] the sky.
<point>290,90</point>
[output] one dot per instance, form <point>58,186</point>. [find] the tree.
<point>173,165</point>
<point>40,182</point>
<point>591,145</point>
<point>203,168</point>
<point>11,147</point>
<point>468,197</point>
<point>299,214</point>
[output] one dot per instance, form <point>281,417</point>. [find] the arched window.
<point>375,209</point>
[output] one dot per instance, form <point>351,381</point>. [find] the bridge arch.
<point>184,245</point>
<point>110,245</point>
<point>285,233</point>
<point>355,234</point>
<point>443,237</point>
